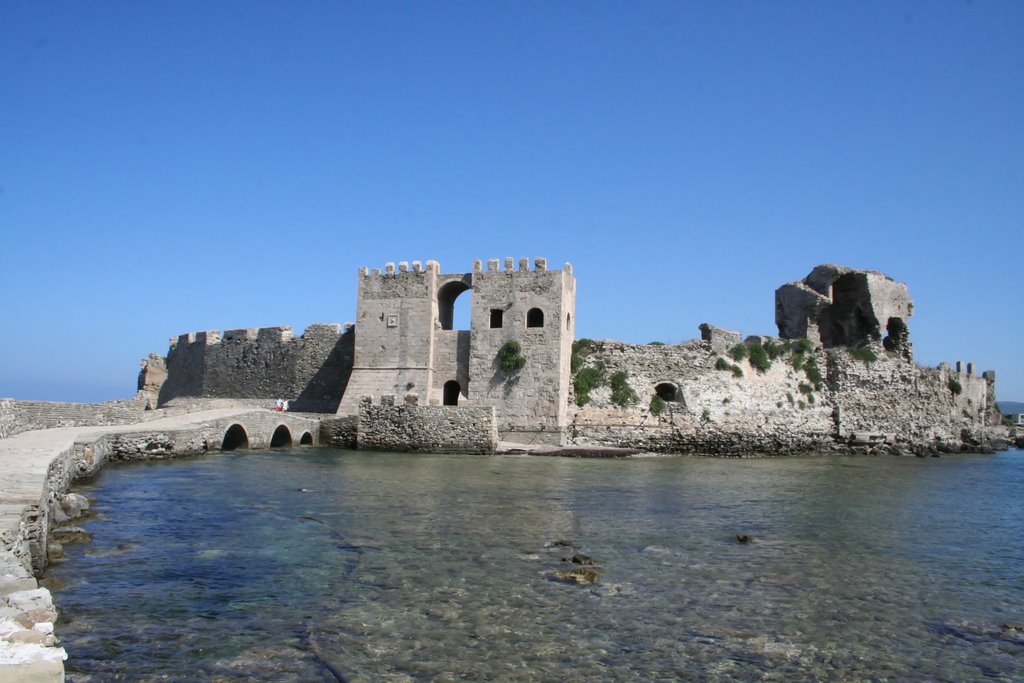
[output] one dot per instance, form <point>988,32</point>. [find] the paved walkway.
<point>26,457</point>
<point>28,653</point>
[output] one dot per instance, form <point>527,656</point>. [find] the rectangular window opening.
<point>496,317</point>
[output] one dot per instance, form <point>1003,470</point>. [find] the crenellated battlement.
<point>508,265</point>
<point>279,333</point>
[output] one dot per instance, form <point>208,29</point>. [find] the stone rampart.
<point>311,371</point>
<point>692,398</point>
<point>907,402</point>
<point>23,416</point>
<point>431,429</point>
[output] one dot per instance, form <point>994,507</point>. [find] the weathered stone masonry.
<point>404,345</point>
<point>270,362</point>
<point>427,429</point>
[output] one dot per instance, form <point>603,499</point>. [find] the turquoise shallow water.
<point>311,565</point>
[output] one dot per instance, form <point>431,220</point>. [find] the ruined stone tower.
<point>838,306</point>
<point>405,344</point>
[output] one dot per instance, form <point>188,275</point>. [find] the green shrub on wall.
<point>510,357</point>
<point>955,387</point>
<point>658,405</point>
<point>813,373</point>
<point>622,394</point>
<point>586,380</point>
<point>759,358</point>
<point>738,352</point>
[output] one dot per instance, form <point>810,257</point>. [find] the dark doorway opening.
<point>451,393</point>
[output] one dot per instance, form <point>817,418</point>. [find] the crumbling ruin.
<point>837,306</point>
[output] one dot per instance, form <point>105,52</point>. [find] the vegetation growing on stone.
<point>656,343</point>
<point>775,349</point>
<point>622,394</point>
<point>805,388</point>
<point>813,373</point>
<point>738,352</point>
<point>862,353</point>
<point>955,387</point>
<point>804,345</point>
<point>657,405</point>
<point>510,357</point>
<point>723,364</point>
<point>580,349</point>
<point>759,358</point>
<point>586,380</point>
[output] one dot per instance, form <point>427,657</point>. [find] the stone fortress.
<point>839,376</point>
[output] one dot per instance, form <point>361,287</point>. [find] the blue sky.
<point>177,166</point>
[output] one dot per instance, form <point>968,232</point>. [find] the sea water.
<point>325,565</point>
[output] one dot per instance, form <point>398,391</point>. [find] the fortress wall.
<point>714,411</point>
<point>24,416</point>
<point>339,432</point>
<point>890,400</point>
<point>430,429</point>
<point>262,363</point>
<point>908,401</point>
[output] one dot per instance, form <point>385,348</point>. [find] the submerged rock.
<point>581,575</point>
<point>71,534</point>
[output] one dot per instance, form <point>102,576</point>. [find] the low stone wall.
<point>339,432</point>
<point>24,416</point>
<point>426,429</point>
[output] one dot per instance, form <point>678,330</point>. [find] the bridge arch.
<point>282,437</point>
<point>306,440</point>
<point>234,438</point>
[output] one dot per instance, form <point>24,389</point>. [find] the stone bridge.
<point>38,466</point>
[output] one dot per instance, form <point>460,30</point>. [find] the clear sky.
<point>177,166</point>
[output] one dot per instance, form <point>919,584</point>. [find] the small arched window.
<point>535,318</point>
<point>568,321</point>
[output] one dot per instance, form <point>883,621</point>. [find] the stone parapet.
<point>430,429</point>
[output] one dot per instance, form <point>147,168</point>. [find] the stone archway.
<point>447,295</point>
<point>452,389</point>
<point>234,438</point>
<point>667,392</point>
<point>282,437</point>
<point>306,440</point>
